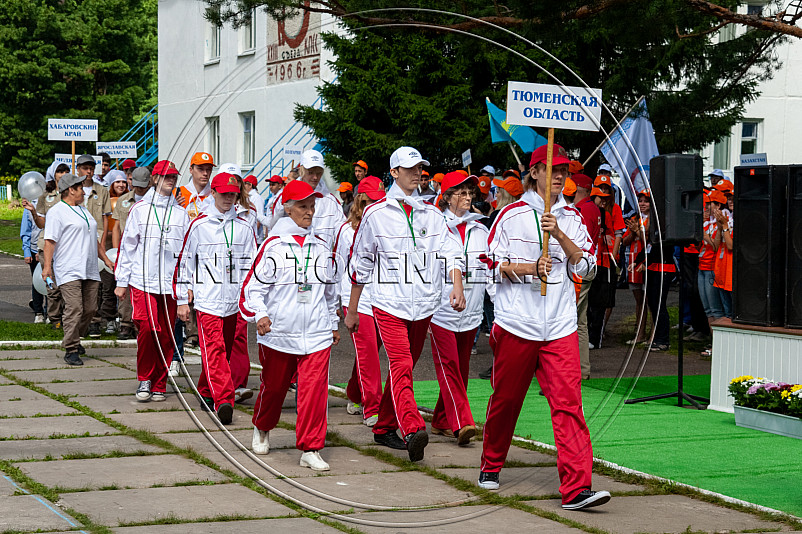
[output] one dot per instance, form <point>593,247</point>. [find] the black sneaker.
<point>488,480</point>
<point>587,499</point>
<point>487,374</point>
<point>191,342</point>
<point>225,413</point>
<point>294,387</point>
<point>390,439</point>
<point>94,330</point>
<point>81,349</point>
<point>208,404</point>
<point>124,333</point>
<point>416,443</point>
<point>73,358</point>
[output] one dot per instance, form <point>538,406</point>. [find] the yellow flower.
<point>796,388</point>
<point>740,379</point>
<point>785,394</point>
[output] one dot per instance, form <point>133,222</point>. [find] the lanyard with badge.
<point>169,212</point>
<point>304,288</point>
<point>229,244</point>
<point>410,219</point>
<point>467,274</point>
<point>80,213</point>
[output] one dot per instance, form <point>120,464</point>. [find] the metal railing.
<point>146,134</point>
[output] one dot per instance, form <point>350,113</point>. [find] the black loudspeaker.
<point>677,196</point>
<point>758,272</point>
<point>793,250</point>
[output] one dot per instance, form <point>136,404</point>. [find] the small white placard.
<point>118,150</point>
<point>754,159</point>
<point>67,158</point>
<point>466,158</point>
<point>71,130</point>
<point>293,152</point>
<point>553,106</point>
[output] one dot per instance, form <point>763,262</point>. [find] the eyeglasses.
<point>463,194</point>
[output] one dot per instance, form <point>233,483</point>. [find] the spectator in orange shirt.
<point>722,268</point>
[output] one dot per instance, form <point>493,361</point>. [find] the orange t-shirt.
<point>707,254</point>
<point>613,222</point>
<point>633,276</point>
<point>191,201</point>
<point>722,269</point>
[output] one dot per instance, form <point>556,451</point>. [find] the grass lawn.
<point>15,330</point>
<point>10,220</point>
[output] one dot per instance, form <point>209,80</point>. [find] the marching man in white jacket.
<point>406,240</point>
<point>536,335</point>
<point>218,250</point>
<point>290,293</point>
<point>452,333</point>
<point>149,247</point>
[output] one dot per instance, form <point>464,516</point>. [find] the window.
<point>721,153</point>
<point>213,139</point>
<point>754,9</point>
<point>212,43</point>
<point>749,137</point>
<point>248,121</point>
<point>247,35</point>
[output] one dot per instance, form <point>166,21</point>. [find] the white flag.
<point>634,136</point>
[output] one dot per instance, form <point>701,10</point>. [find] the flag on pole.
<point>635,136</point>
<point>501,132</point>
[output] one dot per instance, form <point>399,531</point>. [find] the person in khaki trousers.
<point>70,260</point>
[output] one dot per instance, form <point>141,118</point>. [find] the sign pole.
<point>469,169</point>
<point>73,157</point>
<point>514,153</point>
<point>545,241</point>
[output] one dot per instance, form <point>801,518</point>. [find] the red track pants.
<point>224,351</point>
<point>313,394</point>
<point>365,385</point>
<point>556,365</point>
<point>154,316</point>
<point>403,340</point>
<point>451,352</point>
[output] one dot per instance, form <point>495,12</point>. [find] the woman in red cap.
<point>291,294</point>
<point>453,333</point>
<point>218,247</point>
<point>534,334</point>
<point>364,389</point>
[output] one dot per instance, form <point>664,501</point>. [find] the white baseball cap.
<point>489,169</point>
<point>406,157</point>
<point>230,168</point>
<point>311,158</point>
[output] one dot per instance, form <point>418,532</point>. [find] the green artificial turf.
<point>700,448</point>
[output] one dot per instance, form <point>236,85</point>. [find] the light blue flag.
<point>501,132</point>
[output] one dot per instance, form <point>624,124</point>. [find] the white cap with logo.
<point>311,158</point>
<point>230,168</point>
<point>406,157</point>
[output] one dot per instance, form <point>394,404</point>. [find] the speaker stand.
<point>680,395</point>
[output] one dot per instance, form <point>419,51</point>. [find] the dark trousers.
<point>37,298</point>
<point>106,299</point>
<point>690,277</point>
<point>657,285</point>
<point>599,299</point>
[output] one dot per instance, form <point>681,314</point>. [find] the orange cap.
<point>725,186</point>
<point>569,188</point>
<point>463,171</point>
<point>574,167</point>
<point>483,183</point>
<point>424,173</point>
<point>345,186</point>
<point>717,196</point>
<point>645,192</point>
<point>511,185</point>
<point>202,158</point>
<point>603,179</point>
<point>361,164</point>
<point>511,172</point>
<point>596,192</point>
<point>438,177</point>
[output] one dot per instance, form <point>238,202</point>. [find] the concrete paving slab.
<point>535,481</point>
<point>126,472</point>
<point>76,374</point>
<point>47,363</point>
<point>342,460</point>
<point>111,352</point>
<point>44,427</point>
<point>29,354</point>
<point>119,507</point>
<point>178,421</point>
<point>28,513</point>
<point>463,519</point>
<point>7,487</point>
<point>660,513</point>
<point>279,439</point>
<point>129,404</point>
<point>57,448</point>
<point>92,389</point>
<point>299,525</point>
<point>14,391</point>
<point>440,455</point>
<point>363,435</point>
<point>29,407</point>
<point>4,381</point>
<point>405,488</point>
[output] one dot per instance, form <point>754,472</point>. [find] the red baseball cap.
<point>511,185</point>
<point>372,187</point>
<point>164,167</point>
<point>276,179</point>
<point>128,164</point>
<point>558,155</point>
<point>361,164</point>
<point>603,179</point>
<point>298,190</point>
<point>455,178</point>
<point>345,186</point>
<point>582,180</point>
<point>225,183</point>
<point>251,179</point>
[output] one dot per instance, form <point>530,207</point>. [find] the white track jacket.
<point>218,250</point>
<point>274,287</point>
<point>150,244</point>
<point>328,214</point>
<point>402,257</point>
<point>343,241</point>
<point>516,237</point>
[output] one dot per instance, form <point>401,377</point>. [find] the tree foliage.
<point>425,84</point>
<point>88,59</point>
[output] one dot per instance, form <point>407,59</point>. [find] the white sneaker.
<point>111,327</point>
<point>313,460</point>
<point>175,368</point>
<point>158,396</point>
<point>143,393</point>
<point>242,394</point>
<point>353,408</point>
<point>260,443</point>
<point>39,319</point>
<point>370,421</point>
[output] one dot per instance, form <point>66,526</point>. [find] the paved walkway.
<point>78,453</point>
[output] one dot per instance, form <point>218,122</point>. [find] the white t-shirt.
<point>73,229</point>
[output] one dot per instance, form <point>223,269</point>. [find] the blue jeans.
<point>726,301</point>
<point>711,299</point>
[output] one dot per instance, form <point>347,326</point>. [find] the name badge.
<point>536,283</point>
<point>304,293</point>
<point>467,285</point>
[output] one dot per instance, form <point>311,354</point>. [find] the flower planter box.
<point>776,423</point>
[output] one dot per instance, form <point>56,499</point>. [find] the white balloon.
<point>39,284</point>
<point>112,255</point>
<point>31,185</point>
<point>101,266</point>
